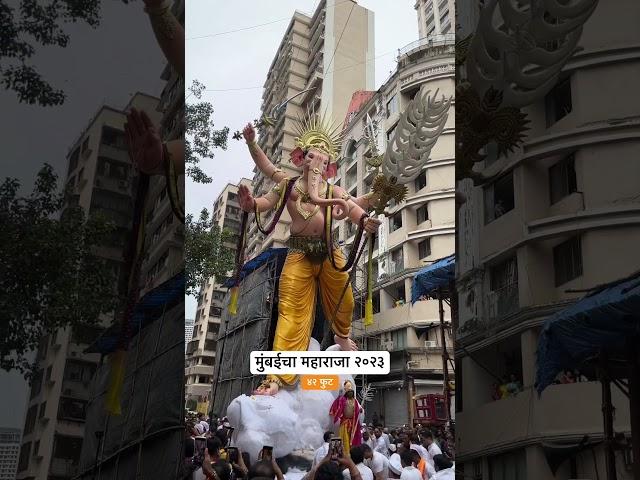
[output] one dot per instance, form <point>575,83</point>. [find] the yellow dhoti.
<point>344,432</point>
<point>299,281</point>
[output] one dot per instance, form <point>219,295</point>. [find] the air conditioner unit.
<point>430,344</point>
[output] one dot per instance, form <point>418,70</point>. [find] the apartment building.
<point>559,217</point>
<point>327,55</point>
<point>201,349</point>
<point>9,452</point>
<point>435,17</point>
<point>100,178</point>
<point>164,251</point>
<point>415,233</point>
<point>188,332</point>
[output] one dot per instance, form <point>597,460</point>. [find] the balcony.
<point>503,301</point>
<point>555,413</point>
<point>63,467</point>
<point>199,370</point>
<point>429,41</point>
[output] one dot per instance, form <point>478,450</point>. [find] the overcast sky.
<point>232,59</point>
<point>103,65</point>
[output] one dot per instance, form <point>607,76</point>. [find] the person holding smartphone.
<point>332,465</point>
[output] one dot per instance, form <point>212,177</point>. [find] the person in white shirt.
<point>415,445</point>
<point>380,445</point>
<point>445,468</point>
<point>377,462</point>
<point>323,450</point>
<point>357,456</point>
<point>387,438</point>
<point>367,439</point>
<point>409,471</point>
<point>432,447</point>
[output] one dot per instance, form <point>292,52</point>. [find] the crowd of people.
<point>406,453</point>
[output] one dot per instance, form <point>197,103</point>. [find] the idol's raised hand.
<point>144,142</point>
<point>249,133</point>
<point>245,199</point>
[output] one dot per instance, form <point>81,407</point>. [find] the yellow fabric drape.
<point>299,281</point>
<point>344,432</point>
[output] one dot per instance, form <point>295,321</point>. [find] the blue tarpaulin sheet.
<point>602,321</point>
<point>256,263</point>
<point>436,276</point>
<point>149,308</point>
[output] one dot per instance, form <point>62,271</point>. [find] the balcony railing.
<point>63,467</point>
<point>503,301</point>
<point>430,41</point>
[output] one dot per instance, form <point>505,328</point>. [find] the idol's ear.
<point>331,171</point>
<point>297,156</point>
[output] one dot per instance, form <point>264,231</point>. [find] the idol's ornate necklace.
<point>304,197</point>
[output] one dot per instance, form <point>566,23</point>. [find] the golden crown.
<point>316,132</point>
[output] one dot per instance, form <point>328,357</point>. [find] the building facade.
<point>100,178</point>
<point>188,332</point>
<point>435,17</point>
<point>559,216</point>
<point>201,349</point>
<point>9,452</point>
<point>164,250</point>
<point>328,56</point>
<point>415,233</point>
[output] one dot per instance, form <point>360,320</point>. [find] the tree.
<point>51,277</point>
<point>30,25</point>
<point>206,255</point>
<point>201,137</point>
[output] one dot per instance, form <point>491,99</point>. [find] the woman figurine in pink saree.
<point>346,410</point>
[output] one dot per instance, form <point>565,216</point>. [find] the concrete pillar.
<point>528,345</point>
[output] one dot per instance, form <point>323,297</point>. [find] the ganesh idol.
<point>312,261</point>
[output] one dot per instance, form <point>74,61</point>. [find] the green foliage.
<point>34,23</point>
<point>201,137</point>
<point>51,277</point>
<point>205,253</point>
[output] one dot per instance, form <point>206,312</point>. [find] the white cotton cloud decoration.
<point>290,420</point>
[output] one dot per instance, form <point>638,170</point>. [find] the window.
<point>36,384</point>
<point>30,422</point>
<point>72,409</point>
<point>558,102</point>
<point>392,105</point>
<point>422,214</point>
<point>508,466</point>
<point>424,248</point>
<point>499,198</point>
<point>397,261</point>
<point>421,181</point>
<point>43,410</point>
<point>67,448</point>
<point>85,144</point>
<point>25,451</point>
<point>77,371</point>
<point>36,448</point>
<point>231,196</point>
<point>562,179</point>
<point>113,137</point>
<point>567,260</point>
<point>399,339</point>
<point>503,274</point>
<point>395,222</point>
<point>73,160</point>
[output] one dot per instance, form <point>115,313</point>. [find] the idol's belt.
<point>313,247</point>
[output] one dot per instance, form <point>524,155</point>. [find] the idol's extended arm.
<point>168,31</point>
<point>145,145</point>
<point>262,204</point>
<point>356,211</point>
<point>261,160</point>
